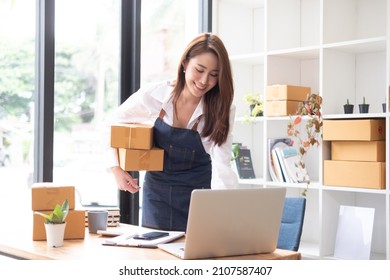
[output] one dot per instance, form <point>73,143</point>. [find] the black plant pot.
<point>348,108</point>
<point>384,107</point>
<point>363,108</point>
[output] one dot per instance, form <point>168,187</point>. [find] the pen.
<point>147,246</point>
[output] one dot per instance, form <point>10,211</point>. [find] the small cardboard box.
<point>354,130</point>
<point>359,150</point>
<point>75,225</point>
<point>358,174</point>
<point>45,196</point>
<point>287,92</point>
<point>137,160</point>
<point>281,107</point>
<point>132,136</point>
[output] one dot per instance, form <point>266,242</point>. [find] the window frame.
<point>44,84</point>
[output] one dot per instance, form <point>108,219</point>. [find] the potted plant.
<point>348,108</point>
<point>310,108</point>
<point>384,107</point>
<point>235,150</point>
<point>55,224</point>
<point>363,108</point>
<point>255,104</point>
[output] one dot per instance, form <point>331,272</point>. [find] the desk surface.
<point>19,244</point>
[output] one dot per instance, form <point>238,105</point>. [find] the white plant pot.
<point>55,234</point>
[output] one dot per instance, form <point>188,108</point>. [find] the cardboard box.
<point>45,196</point>
<point>137,160</point>
<point>358,174</point>
<point>132,136</point>
<point>287,92</point>
<point>359,150</point>
<point>281,108</point>
<point>354,130</point>
<point>75,225</point>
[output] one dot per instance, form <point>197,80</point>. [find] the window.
<point>87,58</point>
<point>17,81</point>
<point>86,81</point>
<point>86,90</point>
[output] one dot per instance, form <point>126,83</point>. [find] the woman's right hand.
<point>124,181</point>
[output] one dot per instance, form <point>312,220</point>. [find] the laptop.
<point>231,222</point>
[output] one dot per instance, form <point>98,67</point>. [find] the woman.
<point>193,121</point>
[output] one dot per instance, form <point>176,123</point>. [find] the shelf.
<point>354,190</point>
<point>339,49</point>
<point>257,181</point>
<point>373,256</point>
<point>313,185</point>
<point>360,46</point>
<point>356,46</point>
<point>252,59</point>
<point>247,3</point>
<point>355,116</point>
<point>309,250</point>
<point>354,20</point>
<point>249,120</point>
<point>298,53</point>
<point>262,182</point>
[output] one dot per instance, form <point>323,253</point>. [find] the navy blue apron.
<point>187,166</point>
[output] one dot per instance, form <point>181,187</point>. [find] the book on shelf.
<point>288,159</point>
<point>280,152</point>
<point>274,167</point>
<point>244,164</point>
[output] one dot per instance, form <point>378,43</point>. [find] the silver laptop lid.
<point>231,222</point>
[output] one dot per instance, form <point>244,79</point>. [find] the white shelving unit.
<point>341,49</point>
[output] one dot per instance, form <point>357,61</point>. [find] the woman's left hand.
<point>124,181</point>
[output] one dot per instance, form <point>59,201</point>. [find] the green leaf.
<point>65,209</point>
<point>235,148</point>
<point>46,216</point>
<point>58,215</point>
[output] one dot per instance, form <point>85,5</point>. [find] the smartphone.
<point>151,235</point>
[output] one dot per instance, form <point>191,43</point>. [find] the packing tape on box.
<point>144,160</point>
<point>132,135</point>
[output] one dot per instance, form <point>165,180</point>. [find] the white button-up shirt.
<point>144,107</point>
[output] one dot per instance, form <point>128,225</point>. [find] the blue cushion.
<point>292,223</point>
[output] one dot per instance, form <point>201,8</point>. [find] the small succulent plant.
<point>58,215</point>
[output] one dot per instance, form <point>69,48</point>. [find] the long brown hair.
<point>218,100</point>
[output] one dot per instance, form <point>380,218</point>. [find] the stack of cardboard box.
<point>283,100</point>
<point>358,157</point>
<point>44,197</point>
<point>134,143</point>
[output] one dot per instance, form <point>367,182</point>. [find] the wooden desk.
<point>18,244</point>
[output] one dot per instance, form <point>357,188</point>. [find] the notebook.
<point>231,222</point>
<point>128,240</point>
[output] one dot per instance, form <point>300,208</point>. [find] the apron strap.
<point>162,114</point>
<point>194,127</point>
